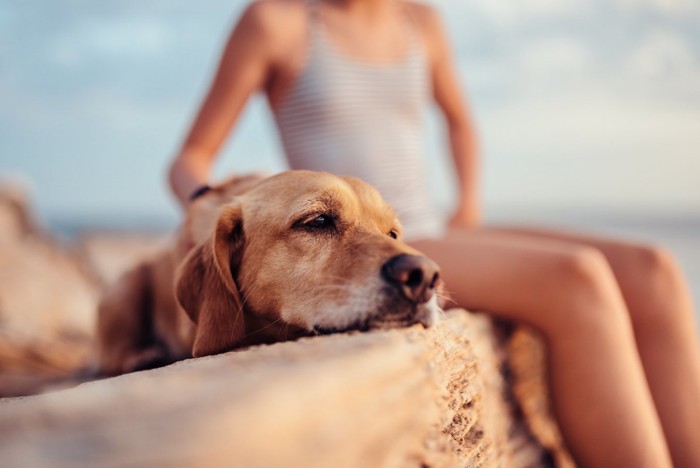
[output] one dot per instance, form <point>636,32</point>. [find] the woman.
<point>346,81</point>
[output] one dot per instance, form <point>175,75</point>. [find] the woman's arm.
<point>243,70</point>
<point>463,144</point>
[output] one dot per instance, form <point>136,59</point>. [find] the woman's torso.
<point>361,117</point>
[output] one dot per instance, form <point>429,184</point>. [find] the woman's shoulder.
<point>274,16</point>
<point>428,20</point>
<point>275,23</point>
<point>273,9</point>
<point>426,16</point>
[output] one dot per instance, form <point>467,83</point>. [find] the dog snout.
<point>414,275</point>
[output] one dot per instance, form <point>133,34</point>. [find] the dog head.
<point>311,251</point>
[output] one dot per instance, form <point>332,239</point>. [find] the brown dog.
<point>259,261</point>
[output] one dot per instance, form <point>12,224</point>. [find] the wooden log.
<point>410,397</point>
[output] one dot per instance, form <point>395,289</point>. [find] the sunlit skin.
<point>617,316</point>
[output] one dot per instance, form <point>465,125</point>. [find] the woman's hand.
<point>465,218</point>
<point>188,172</point>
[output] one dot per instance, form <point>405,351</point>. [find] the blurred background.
<point>588,110</point>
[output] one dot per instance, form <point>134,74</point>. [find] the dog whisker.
<point>267,326</point>
<point>447,298</point>
<point>283,331</point>
<point>245,296</point>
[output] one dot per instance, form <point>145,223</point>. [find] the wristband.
<point>199,192</point>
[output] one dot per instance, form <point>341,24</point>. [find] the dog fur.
<point>260,260</point>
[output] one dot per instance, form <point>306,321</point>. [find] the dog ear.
<point>206,289</point>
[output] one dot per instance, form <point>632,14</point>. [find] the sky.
<point>580,104</point>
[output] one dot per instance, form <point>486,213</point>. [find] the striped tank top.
<point>351,117</point>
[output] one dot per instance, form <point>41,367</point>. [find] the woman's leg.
<point>569,292</point>
<point>661,310</point>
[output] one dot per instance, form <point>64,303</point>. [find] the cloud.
<point>674,8</point>
<point>552,59</point>
<point>665,61</point>
<point>110,39</point>
<point>593,149</point>
<point>506,13</point>
<point>598,115</point>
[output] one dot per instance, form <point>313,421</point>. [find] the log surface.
<point>402,398</point>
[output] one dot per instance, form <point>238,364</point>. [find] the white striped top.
<point>363,119</point>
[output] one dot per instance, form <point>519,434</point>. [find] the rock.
<point>49,293</point>
<point>15,220</point>
<point>109,254</point>
<point>403,398</point>
<point>47,302</point>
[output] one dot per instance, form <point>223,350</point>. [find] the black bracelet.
<point>199,192</point>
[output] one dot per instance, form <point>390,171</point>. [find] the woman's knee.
<point>583,293</point>
<point>654,288</point>
<point>656,267</point>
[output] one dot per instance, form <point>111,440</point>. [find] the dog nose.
<point>415,276</point>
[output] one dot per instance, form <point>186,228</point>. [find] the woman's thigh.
<point>548,283</point>
<point>625,256</point>
<point>649,277</point>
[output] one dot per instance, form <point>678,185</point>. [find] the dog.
<point>260,260</point>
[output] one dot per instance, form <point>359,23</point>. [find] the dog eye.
<point>393,234</point>
<point>321,222</point>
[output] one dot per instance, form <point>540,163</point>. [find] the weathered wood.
<point>401,398</point>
